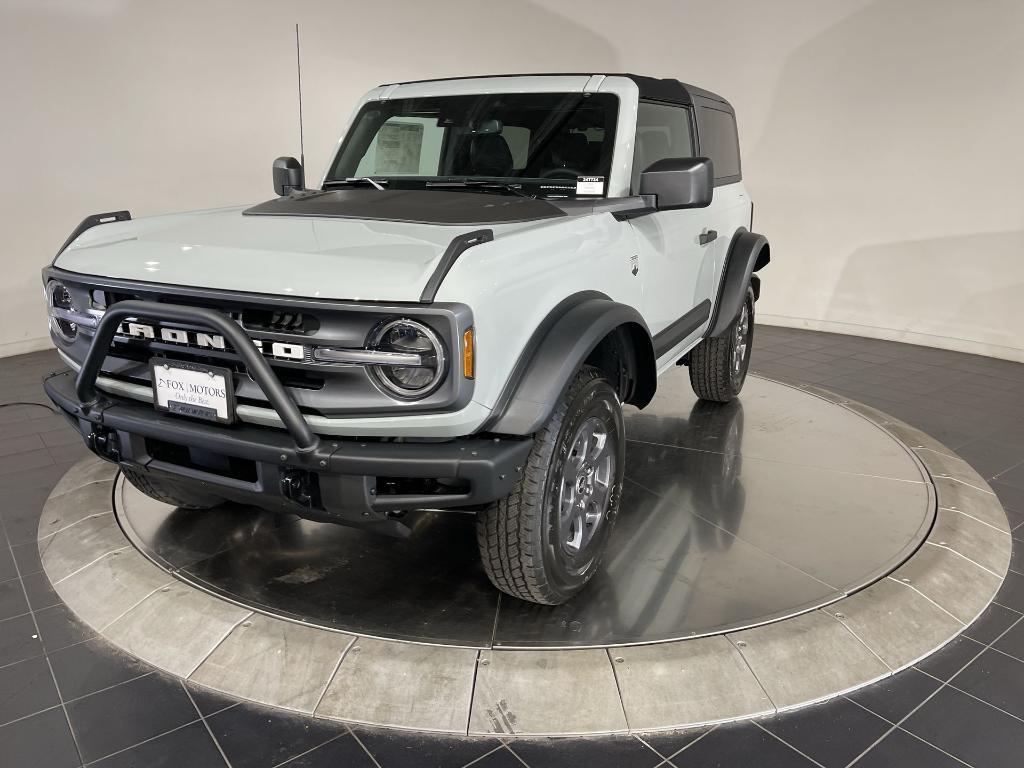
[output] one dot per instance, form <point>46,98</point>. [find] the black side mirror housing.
<point>288,176</point>
<point>679,182</point>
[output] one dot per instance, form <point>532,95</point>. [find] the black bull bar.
<point>259,369</point>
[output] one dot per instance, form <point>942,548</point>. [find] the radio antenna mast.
<point>298,66</point>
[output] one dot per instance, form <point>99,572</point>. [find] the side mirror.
<point>288,176</point>
<point>679,182</point>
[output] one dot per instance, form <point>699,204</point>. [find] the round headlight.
<point>59,298</point>
<point>408,337</point>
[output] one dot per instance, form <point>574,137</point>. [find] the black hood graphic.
<point>420,206</point>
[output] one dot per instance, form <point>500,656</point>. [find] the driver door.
<point>677,269</point>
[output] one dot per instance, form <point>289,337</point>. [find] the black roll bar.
<point>260,370</point>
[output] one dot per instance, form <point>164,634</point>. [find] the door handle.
<point>708,237</point>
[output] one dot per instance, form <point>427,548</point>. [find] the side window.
<point>404,145</point>
<point>661,131</point>
<point>717,132</point>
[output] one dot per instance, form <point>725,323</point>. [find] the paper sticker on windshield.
<point>590,185</point>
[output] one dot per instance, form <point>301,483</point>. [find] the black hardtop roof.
<point>666,90</point>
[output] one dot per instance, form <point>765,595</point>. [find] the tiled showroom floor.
<point>68,698</point>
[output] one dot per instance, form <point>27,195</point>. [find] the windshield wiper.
<point>498,186</point>
<point>353,182</point>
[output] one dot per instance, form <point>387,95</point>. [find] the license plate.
<point>190,389</point>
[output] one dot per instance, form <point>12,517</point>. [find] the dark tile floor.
<point>67,698</point>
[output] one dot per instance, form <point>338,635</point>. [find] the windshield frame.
<point>344,166</point>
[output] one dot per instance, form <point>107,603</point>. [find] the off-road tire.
<point>520,536</point>
<point>712,374</point>
<point>162,487</point>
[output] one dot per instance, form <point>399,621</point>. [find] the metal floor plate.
<point>733,516</point>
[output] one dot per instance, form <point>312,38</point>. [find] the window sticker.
<point>590,185</point>
<point>398,148</point>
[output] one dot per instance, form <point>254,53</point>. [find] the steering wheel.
<point>561,173</point>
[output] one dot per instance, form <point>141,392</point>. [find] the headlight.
<point>61,306</point>
<point>409,337</point>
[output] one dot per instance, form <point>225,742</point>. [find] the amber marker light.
<point>467,353</point>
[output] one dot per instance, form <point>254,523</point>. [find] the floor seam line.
<point>682,749</point>
<point>91,562</point>
<point>783,741</point>
<point>640,738</point>
<point>944,476</point>
<point>31,714</point>
<point>144,741</point>
<point>334,738</point>
<point>746,661</point>
<point>618,689</point>
<point>745,541</point>
<point>360,743</point>
<point>110,687</point>
<point>934,746</point>
<point>942,685</point>
<point>860,640</point>
<point>494,627</point>
<point>963,625</point>
<point>69,526</point>
<point>955,687</point>
<point>514,754</point>
<point>18,616</point>
<point>35,623</point>
<point>656,444</point>
<point>472,692</point>
<point>486,754</point>
<point>134,606</point>
<point>206,725</point>
<point>1007,607</point>
<point>333,674</point>
<point>939,453</point>
<point>961,554</point>
<point>218,645</point>
<point>978,519</point>
<point>955,551</point>
<point>869,710</point>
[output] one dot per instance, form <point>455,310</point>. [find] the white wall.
<point>881,140</point>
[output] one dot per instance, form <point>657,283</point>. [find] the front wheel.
<point>545,541</point>
<point>718,366</point>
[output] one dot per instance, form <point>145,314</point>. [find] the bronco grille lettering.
<point>201,340</point>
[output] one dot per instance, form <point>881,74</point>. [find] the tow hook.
<point>301,487</point>
<point>103,442</point>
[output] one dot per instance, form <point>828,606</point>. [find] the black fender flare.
<point>555,352</point>
<point>748,252</point>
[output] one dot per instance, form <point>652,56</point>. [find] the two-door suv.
<point>451,320</point>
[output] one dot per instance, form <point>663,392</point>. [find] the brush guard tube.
<point>259,369</point>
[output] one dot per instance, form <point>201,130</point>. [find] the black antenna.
<point>298,66</point>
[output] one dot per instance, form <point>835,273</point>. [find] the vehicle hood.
<point>314,256</point>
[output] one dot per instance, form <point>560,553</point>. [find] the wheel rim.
<point>586,485</point>
<point>740,343</point>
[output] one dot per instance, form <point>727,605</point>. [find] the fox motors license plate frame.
<point>204,392</point>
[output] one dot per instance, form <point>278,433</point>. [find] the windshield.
<point>544,144</point>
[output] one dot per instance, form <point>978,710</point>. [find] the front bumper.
<point>354,482</point>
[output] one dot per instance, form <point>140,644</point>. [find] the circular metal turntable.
<point>733,516</point>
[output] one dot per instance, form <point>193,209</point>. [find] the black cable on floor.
<point>37,405</point>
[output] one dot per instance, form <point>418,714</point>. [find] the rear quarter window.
<point>716,131</point>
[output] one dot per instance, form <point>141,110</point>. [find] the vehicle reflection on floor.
<point>732,515</point>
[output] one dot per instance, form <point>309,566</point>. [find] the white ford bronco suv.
<point>451,320</point>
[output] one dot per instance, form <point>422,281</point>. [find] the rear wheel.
<point>162,487</point>
<point>545,541</point>
<point>718,366</point>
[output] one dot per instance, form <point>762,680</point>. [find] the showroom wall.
<point>883,157</point>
